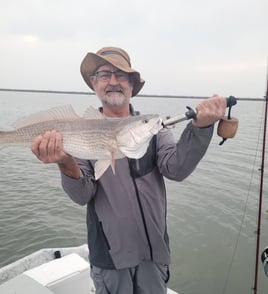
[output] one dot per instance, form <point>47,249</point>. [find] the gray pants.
<point>146,278</point>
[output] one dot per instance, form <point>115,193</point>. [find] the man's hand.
<point>210,111</point>
<point>48,149</point>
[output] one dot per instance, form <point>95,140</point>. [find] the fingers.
<point>58,143</point>
<point>35,145</point>
<point>210,110</point>
<point>48,148</point>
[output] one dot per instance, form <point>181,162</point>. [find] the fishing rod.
<point>227,126</point>
<point>255,99</point>
<point>264,256</point>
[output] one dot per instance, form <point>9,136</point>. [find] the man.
<point>126,211</point>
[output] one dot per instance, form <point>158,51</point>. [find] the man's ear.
<point>93,80</point>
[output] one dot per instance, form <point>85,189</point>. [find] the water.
<point>212,215</point>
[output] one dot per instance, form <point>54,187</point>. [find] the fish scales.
<point>82,138</point>
<point>93,142</point>
<point>28,133</point>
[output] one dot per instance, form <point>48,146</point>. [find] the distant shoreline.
<point>140,95</point>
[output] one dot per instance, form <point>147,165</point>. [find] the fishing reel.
<point>264,259</point>
<point>228,125</point>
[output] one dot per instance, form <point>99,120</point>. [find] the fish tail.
<point>5,139</point>
<point>2,140</point>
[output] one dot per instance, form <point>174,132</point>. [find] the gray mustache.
<point>114,89</point>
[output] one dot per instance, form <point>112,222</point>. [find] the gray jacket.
<point>126,212</point>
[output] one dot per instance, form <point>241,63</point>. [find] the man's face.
<point>112,89</point>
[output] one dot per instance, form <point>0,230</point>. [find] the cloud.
<point>244,66</point>
<point>189,46</point>
<point>30,38</point>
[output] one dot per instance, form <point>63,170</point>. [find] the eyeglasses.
<point>105,75</point>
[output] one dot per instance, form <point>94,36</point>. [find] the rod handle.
<point>191,113</point>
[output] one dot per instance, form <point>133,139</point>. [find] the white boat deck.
<point>41,273</point>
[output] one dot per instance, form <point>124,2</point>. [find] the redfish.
<point>92,137</point>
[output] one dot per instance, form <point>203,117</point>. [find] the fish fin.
<point>92,113</point>
<point>65,112</point>
<point>113,161</point>
<point>100,167</point>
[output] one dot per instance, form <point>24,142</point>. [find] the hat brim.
<point>92,62</point>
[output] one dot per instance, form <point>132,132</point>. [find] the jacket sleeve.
<point>82,190</point>
<point>176,161</point>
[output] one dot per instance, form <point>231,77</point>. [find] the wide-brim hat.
<point>114,56</point>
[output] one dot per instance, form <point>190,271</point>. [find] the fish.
<point>91,136</point>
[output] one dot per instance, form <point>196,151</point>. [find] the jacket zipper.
<point>142,212</point>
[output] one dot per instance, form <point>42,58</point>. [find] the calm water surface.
<point>212,215</point>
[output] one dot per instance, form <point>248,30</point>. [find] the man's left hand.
<point>210,111</point>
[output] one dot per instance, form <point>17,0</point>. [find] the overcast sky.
<point>181,47</point>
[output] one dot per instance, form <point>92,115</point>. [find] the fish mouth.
<point>157,127</point>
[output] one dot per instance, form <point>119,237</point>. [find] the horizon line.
<point>139,95</point>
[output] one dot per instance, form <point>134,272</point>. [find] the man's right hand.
<point>48,148</point>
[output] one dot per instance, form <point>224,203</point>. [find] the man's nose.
<point>113,79</point>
